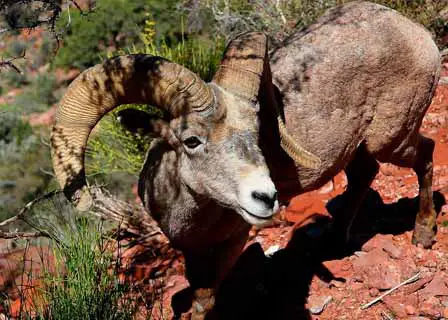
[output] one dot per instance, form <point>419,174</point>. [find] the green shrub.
<point>115,23</point>
<point>16,48</point>
<point>80,262</point>
<point>114,149</point>
<point>85,283</point>
<point>43,87</point>
<point>23,163</point>
<point>46,52</point>
<point>14,79</point>
<point>13,128</point>
<point>279,18</point>
<point>199,55</point>
<point>38,96</point>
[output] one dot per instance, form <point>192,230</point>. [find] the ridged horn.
<point>244,66</point>
<point>241,68</point>
<point>100,89</point>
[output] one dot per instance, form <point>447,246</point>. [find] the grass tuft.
<point>85,284</point>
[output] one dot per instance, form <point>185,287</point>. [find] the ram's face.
<point>219,158</point>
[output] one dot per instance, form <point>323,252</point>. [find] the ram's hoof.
<point>424,233</point>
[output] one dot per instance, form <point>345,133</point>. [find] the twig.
<point>279,9</point>
<point>48,173</point>
<point>9,63</point>
<point>387,316</point>
<point>20,235</point>
<point>22,294</point>
<point>410,280</point>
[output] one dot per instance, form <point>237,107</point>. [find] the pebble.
<point>410,310</point>
<point>271,250</point>
<point>373,292</point>
<point>318,305</point>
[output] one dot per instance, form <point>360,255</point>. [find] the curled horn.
<point>100,89</point>
<point>244,66</point>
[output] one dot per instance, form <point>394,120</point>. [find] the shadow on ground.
<point>277,287</point>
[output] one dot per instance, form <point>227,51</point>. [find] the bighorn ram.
<point>351,89</point>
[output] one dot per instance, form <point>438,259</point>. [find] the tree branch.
<point>9,63</point>
<point>132,218</point>
<point>21,235</point>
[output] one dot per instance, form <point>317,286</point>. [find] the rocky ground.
<point>293,271</point>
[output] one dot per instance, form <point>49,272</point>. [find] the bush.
<point>23,163</point>
<point>78,271</point>
<point>16,48</point>
<point>46,52</point>
<point>38,96</point>
<point>114,24</point>
<point>280,18</point>
<point>13,128</point>
<point>14,79</point>
<point>85,284</point>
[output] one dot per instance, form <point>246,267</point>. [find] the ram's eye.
<point>192,142</point>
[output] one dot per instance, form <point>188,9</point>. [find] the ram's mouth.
<point>254,219</point>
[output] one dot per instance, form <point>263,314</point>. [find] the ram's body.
<point>363,73</point>
<point>352,89</point>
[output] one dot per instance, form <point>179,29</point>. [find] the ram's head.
<point>213,128</point>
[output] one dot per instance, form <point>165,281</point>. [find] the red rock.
<point>373,292</point>
<point>395,305</point>
<point>378,241</point>
<point>392,250</point>
<point>410,310</point>
<point>327,188</point>
<point>377,270</point>
<point>430,260</point>
<point>431,308</point>
<point>339,268</point>
<point>46,118</point>
<point>445,313</point>
<point>411,288</point>
<point>436,287</point>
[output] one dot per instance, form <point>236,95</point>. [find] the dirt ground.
<point>292,270</point>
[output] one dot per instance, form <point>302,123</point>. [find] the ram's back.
<point>362,73</point>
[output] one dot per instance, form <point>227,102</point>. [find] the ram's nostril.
<point>268,200</point>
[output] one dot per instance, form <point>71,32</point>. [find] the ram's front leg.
<point>207,269</point>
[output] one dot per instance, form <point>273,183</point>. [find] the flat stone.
<point>377,270</point>
<point>436,287</point>
<point>411,288</point>
<point>431,308</point>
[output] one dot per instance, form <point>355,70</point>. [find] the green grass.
<point>85,284</point>
<point>78,268</point>
<point>82,282</point>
